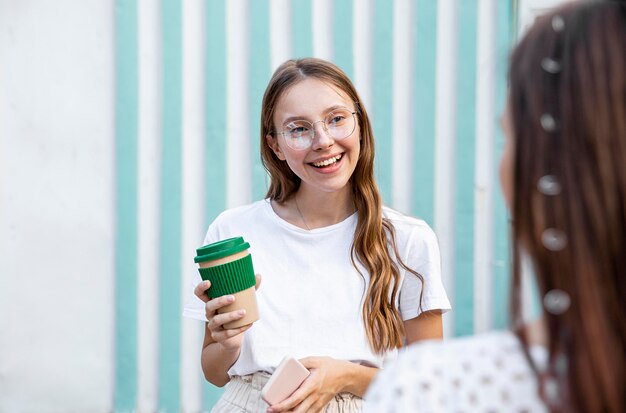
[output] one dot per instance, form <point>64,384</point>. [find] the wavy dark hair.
<point>586,152</point>
<point>374,234</point>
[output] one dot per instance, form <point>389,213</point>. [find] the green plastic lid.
<point>221,249</point>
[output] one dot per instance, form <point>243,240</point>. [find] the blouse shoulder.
<point>487,372</point>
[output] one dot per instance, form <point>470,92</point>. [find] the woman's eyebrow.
<point>326,111</point>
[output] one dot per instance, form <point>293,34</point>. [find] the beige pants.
<point>243,395</point>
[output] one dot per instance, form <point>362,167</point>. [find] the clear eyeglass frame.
<point>301,134</point>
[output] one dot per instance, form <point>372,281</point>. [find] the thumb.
<point>309,362</point>
<point>258,281</point>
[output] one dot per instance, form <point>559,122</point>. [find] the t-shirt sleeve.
<point>194,307</point>
<point>422,255</point>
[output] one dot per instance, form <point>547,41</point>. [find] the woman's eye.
<point>299,130</point>
<point>336,119</point>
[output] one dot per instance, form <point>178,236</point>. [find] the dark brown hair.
<point>586,152</point>
<point>383,323</point>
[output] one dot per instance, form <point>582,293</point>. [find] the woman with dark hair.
<point>347,281</point>
<point>563,175</point>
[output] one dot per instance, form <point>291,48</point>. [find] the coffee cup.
<point>228,265</point>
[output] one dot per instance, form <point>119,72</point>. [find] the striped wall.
<point>190,75</point>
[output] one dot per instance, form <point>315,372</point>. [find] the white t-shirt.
<point>310,298</point>
<point>480,374</point>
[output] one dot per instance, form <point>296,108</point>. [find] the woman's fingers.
<point>215,304</point>
<point>258,281</point>
<point>225,334</point>
<point>218,320</point>
<point>200,290</point>
<point>211,306</point>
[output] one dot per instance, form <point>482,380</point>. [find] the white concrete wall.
<point>56,205</point>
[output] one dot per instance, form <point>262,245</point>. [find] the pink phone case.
<point>288,376</point>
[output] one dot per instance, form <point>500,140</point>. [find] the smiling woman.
<point>323,161</point>
<point>358,281</point>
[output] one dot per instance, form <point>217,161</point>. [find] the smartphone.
<point>288,376</point>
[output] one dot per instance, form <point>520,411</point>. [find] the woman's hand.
<point>229,339</point>
<point>324,382</point>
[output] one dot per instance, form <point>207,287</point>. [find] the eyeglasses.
<point>338,124</point>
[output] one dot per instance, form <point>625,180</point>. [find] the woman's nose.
<point>322,139</point>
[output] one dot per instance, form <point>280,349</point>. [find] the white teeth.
<point>327,161</point>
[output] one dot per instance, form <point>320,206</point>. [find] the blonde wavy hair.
<point>374,244</point>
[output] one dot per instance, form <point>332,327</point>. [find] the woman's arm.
<point>221,347</point>
<point>426,326</point>
<point>347,376</point>
<point>216,361</point>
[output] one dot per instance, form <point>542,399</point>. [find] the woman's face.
<point>508,157</point>
<point>327,165</point>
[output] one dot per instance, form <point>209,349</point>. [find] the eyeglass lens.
<point>339,124</point>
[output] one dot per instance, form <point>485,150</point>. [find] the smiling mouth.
<point>327,162</point>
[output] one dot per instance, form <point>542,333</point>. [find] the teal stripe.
<point>171,208</point>
<point>342,35</point>
<point>301,29</point>
<point>126,120</point>
<point>501,273</point>
<point>382,94</point>
<point>464,175</point>
<point>215,155</point>
<point>424,115</point>
<point>259,77</point>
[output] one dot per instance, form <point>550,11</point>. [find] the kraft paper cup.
<point>228,265</point>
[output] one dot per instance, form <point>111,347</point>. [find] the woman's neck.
<point>309,209</point>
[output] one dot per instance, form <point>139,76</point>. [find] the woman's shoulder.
<point>235,221</point>
<point>241,212</point>
<point>403,220</point>
<point>408,228</point>
<point>475,373</point>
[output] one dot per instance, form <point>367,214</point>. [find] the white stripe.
<point>149,138</point>
<point>362,49</point>
<point>445,124</point>
<point>484,165</point>
<point>402,148</point>
<point>529,10</point>
<point>193,35</point>
<point>529,290</point>
<point>238,160</point>
<point>322,27</point>
<point>280,32</point>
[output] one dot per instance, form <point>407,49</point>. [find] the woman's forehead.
<point>310,98</point>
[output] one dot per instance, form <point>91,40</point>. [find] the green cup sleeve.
<point>229,278</point>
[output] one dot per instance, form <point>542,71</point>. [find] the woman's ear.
<point>273,144</point>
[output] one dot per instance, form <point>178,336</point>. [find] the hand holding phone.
<point>288,376</point>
